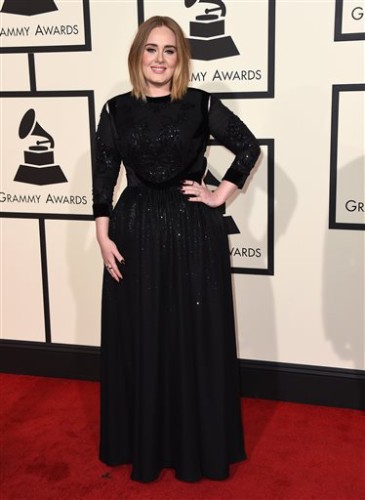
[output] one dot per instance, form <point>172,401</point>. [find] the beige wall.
<point>311,310</point>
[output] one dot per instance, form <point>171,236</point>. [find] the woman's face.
<point>159,60</point>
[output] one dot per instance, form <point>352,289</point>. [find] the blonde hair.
<point>181,74</point>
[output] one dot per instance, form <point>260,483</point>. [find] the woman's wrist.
<point>102,229</point>
<point>223,192</point>
<point>217,198</point>
<point>102,238</point>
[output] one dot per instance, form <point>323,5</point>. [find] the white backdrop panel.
<point>74,273</point>
<point>14,72</point>
<point>22,316</point>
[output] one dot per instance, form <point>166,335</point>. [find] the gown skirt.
<point>169,370</point>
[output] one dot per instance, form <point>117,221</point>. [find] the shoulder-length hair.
<point>181,74</point>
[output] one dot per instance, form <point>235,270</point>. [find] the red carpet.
<point>49,434</point>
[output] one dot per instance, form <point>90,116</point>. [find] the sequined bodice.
<point>162,142</point>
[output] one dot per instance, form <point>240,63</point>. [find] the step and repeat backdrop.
<point>293,71</point>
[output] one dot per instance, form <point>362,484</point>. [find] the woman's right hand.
<point>109,250</point>
<point>111,255</point>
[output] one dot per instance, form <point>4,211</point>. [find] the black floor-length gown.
<point>169,375</point>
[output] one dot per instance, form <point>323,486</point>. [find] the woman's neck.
<point>158,91</point>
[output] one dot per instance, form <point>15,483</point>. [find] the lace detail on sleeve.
<point>107,165</point>
<point>229,130</point>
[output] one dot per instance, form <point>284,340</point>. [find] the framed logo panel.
<point>46,159</point>
<point>347,174</point>
<point>232,43</point>
<point>349,20</point>
<point>44,26</point>
<point>249,216</point>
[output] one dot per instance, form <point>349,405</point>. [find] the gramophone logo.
<point>28,7</point>
<point>39,167</point>
<point>207,33</point>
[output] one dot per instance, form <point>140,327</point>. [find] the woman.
<point>169,379</point>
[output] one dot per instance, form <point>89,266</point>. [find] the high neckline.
<point>163,98</point>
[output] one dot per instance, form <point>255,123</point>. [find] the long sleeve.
<point>107,164</point>
<point>230,131</point>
